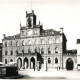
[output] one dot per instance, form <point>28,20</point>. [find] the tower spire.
<point>20,24</point>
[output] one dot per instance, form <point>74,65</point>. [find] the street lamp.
<point>46,65</point>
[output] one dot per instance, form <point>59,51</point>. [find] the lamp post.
<point>46,65</point>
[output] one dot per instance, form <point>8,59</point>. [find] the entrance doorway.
<point>32,63</point>
<point>25,63</point>
<point>69,64</point>
<point>19,62</point>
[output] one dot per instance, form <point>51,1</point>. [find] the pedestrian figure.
<point>34,68</point>
<point>59,67</point>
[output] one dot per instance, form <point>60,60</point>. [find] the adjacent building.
<point>0,52</point>
<point>35,47</point>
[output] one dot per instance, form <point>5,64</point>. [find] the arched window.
<point>23,43</point>
<point>42,51</point>
<point>56,50</point>
<point>11,52</point>
<point>57,40</point>
<point>42,41</point>
<point>6,52</point>
<point>5,44</point>
<point>16,52</point>
<point>49,52</point>
<point>16,43</point>
<point>11,60</point>
<point>49,60</point>
<point>56,60</point>
<point>11,43</point>
<point>29,42</point>
<point>35,50</point>
<point>5,61</point>
<point>36,41</point>
<point>49,41</point>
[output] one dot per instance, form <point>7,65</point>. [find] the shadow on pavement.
<point>16,77</point>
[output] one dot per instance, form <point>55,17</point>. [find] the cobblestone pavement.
<point>50,74</point>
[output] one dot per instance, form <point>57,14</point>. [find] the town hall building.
<point>35,47</point>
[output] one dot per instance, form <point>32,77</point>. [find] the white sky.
<point>52,13</point>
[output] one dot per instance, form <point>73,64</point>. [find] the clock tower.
<point>31,29</point>
<point>30,19</point>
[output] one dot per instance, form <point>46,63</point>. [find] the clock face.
<point>36,31</point>
<point>30,32</point>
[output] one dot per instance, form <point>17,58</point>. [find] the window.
<point>29,42</point>
<point>36,31</point>
<point>23,33</point>
<point>36,41</point>
<point>5,44</point>
<point>11,60</point>
<point>17,43</point>
<point>16,52</point>
<point>29,51</point>
<point>42,41</point>
<point>42,51</point>
<point>22,50</point>
<point>11,43</point>
<point>56,60</point>
<point>6,52</point>
<point>49,52</point>
<point>5,61</point>
<point>11,52</point>
<point>56,50</point>
<point>49,60</point>
<point>35,50</point>
<point>23,43</point>
<point>57,40</point>
<point>49,41</point>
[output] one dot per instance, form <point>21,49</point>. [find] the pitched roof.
<point>12,37</point>
<point>50,32</point>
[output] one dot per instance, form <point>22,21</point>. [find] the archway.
<point>69,64</point>
<point>25,63</point>
<point>19,62</point>
<point>32,63</point>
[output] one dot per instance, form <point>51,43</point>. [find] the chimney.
<point>61,30</point>
<point>32,11</point>
<point>26,13</point>
<point>4,36</point>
